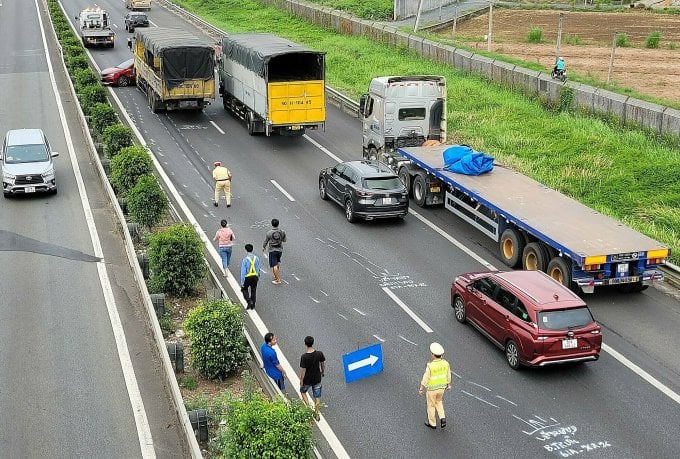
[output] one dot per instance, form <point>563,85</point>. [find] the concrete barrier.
<point>610,103</point>
<point>462,60</point>
<point>643,113</point>
<point>525,80</point>
<point>583,96</point>
<point>503,72</point>
<point>670,121</point>
<point>481,64</point>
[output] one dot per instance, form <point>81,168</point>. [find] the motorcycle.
<point>559,75</point>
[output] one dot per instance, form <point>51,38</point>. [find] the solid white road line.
<point>216,127</point>
<point>285,193</point>
<point>141,421</point>
<point>407,310</point>
<point>321,147</point>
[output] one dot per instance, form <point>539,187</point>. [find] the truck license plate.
<point>622,268</point>
<point>29,189</point>
<point>297,127</point>
<point>569,343</point>
<point>435,189</point>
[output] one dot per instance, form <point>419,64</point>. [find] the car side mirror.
<point>362,104</point>
<point>469,288</point>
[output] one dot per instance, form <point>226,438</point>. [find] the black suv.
<point>135,19</point>
<point>366,189</point>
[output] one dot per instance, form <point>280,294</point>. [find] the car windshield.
<point>125,65</point>
<point>566,319</point>
<point>138,17</point>
<point>382,183</point>
<point>25,154</point>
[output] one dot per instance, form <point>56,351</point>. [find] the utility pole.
<point>455,20</point>
<point>488,37</point>
<point>420,8</point>
<point>611,60</point>
<point>559,35</point>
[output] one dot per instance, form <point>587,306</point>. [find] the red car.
<point>536,320</point>
<point>122,74</point>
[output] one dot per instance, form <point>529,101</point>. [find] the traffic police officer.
<point>222,177</point>
<point>436,379</point>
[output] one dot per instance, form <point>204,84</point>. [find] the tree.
<point>146,201</point>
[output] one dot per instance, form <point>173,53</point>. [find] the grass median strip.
<point>628,174</point>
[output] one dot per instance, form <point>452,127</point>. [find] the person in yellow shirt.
<point>436,379</point>
<point>222,177</point>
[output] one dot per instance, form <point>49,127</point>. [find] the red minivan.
<point>536,320</point>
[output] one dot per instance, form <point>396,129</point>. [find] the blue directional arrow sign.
<point>363,362</point>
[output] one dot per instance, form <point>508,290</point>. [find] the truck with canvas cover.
<point>275,85</point>
<point>174,68</point>
<point>94,28</point>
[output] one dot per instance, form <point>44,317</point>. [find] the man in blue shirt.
<point>271,360</point>
<point>250,274</point>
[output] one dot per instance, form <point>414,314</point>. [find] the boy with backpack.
<point>275,239</point>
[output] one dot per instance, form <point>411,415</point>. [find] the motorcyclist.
<point>559,65</point>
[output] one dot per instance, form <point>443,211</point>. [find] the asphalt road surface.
<point>65,389</point>
<point>340,285</point>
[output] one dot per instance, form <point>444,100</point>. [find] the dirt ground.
<point>587,44</point>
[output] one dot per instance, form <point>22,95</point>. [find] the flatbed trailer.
<point>537,227</point>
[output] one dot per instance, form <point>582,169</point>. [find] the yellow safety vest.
<point>439,374</point>
<point>251,271</point>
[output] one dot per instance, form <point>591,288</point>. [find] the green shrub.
<point>115,137</point>
<point>101,116</point>
<point>176,258</point>
<point>91,96</point>
<point>83,78</point>
<point>68,39</point>
<point>215,328</point>
<point>672,46</point>
<point>77,61</point>
<point>146,204</point>
<point>573,39</point>
<point>652,40</point>
<point>257,427</point>
<point>128,166</point>
<point>535,35</point>
<point>622,40</point>
<point>72,51</point>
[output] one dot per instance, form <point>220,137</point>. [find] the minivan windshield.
<point>25,154</point>
<point>382,183</point>
<point>566,319</point>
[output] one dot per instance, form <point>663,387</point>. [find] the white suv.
<point>27,165</point>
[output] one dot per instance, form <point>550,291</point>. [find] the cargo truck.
<point>175,69</point>
<point>95,29</point>
<point>275,85</point>
<point>534,226</point>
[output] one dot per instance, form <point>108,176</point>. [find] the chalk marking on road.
<point>407,340</point>
<point>321,147</point>
<point>295,277</point>
<point>315,300</point>
<point>478,398</point>
<point>479,385</point>
<point>360,312</point>
<point>407,310</point>
<point>324,293</point>
<point>506,400</point>
<point>285,193</point>
<point>344,317</point>
<point>379,338</point>
<point>136,403</point>
<point>456,375</point>
<point>372,273</point>
<point>642,373</point>
<point>539,418</point>
<point>320,240</point>
<point>216,127</point>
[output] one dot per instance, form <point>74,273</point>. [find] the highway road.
<point>80,376</point>
<point>341,281</point>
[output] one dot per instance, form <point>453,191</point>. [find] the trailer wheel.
<point>511,247</point>
<point>560,270</point>
<point>405,178</point>
<point>535,257</point>
<point>419,190</point>
<point>226,104</point>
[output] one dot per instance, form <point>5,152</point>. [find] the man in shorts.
<point>275,239</point>
<point>312,366</point>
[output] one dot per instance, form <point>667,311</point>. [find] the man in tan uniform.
<point>222,178</point>
<point>436,379</point>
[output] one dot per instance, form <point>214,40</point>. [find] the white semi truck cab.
<point>402,111</point>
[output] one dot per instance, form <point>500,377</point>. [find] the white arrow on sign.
<point>370,360</point>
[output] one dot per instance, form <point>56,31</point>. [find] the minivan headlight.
<point>7,177</point>
<point>48,174</point>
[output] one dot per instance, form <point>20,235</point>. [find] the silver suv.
<point>27,165</point>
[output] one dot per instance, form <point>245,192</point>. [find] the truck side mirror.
<point>362,104</point>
